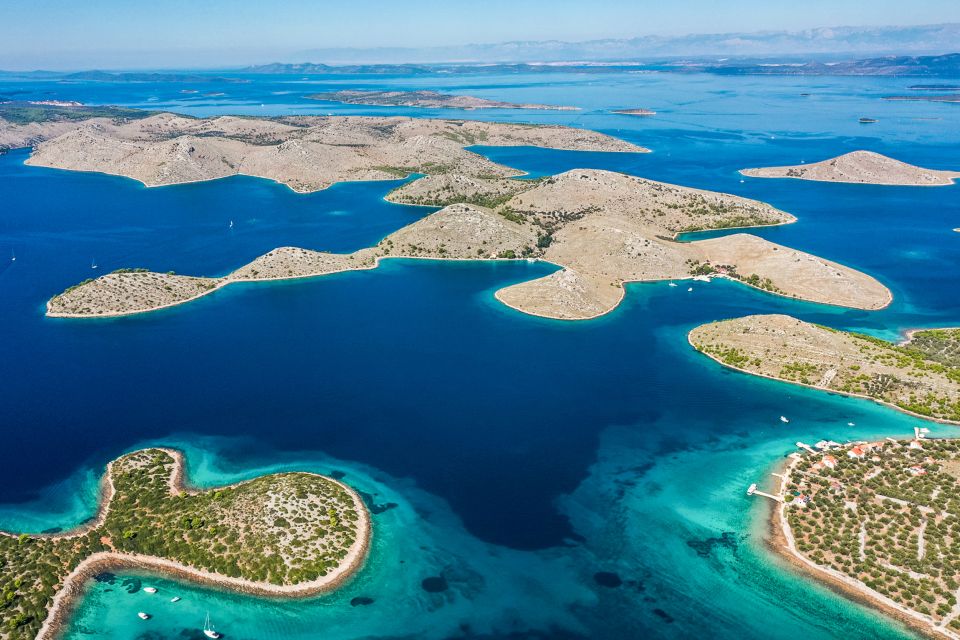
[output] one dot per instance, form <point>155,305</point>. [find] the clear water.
<point>522,455</point>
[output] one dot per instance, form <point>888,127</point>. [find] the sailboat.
<point>93,263</point>
<point>231,224</point>
<point>13,256</point>
<point>208,629</point>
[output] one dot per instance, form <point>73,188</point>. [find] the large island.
<point>287,534</point>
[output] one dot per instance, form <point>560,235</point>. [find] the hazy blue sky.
<point>129,33</point>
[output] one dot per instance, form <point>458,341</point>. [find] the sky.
<point>82,34</point>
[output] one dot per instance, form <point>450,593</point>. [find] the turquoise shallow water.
<point>523,456</point>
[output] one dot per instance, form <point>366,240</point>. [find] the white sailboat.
<point>784,419</point>
<point>93,264</point>
<point>13,256</point>
<point>175,599</point>
<point>231,224</point>
<point>208,629</point>
<point>150,589</point>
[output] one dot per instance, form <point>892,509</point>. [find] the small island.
<point>949,97</point>
<point>860,167</point>
<point>920,376</point>
<point>877,521</point>
<point>285,534</point>
<point>426,99</point>
<point>635,112</point>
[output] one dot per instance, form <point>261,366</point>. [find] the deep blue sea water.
<point>523,455</point>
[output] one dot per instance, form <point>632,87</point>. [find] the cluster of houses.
<point>856,451</point>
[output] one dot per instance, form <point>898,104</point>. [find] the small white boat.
<point>851,424</point>
<point>673,284</point>
<point>149,589</point>
<point>93,264</point>
<point>13,256</point>
<point>143,616</point>
<point>689,288</point>
<point>783,419</point>
<point>231,224</point>
<point>208,629</point>
<point>175,599</point>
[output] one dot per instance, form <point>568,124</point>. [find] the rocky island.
<point>861,167</point>
<point>603,228</point>
<point>921,376</point>
<point>286,534</point>
<point>879,522</point>
<point>426,99</point>
<point>635,112</point>
<point>306,153</point>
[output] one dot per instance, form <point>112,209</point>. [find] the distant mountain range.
<point>853,41</point>
<point>947,65</point>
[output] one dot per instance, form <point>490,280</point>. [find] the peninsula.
<point>603,228</point>
<point>286,534</point>
<point>861,167</point>
<point>426,99</point>
<point>878,521</point>
<point>920,376</point>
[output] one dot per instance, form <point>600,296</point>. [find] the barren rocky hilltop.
<point>306,153</point>
<point>863,167</point>
<point>288,534</point>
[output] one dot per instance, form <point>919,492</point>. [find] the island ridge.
<point>605,229</point>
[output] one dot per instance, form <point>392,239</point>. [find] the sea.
<point>528,478</point>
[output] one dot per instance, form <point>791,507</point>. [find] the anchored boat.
<point>208,629</point>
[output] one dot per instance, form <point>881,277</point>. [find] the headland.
<point>921,377</point>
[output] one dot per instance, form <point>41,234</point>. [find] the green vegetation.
<point>25,113</point>
<point>131,270</point>
<point>890,520</point>
<point>730,356</point>
<point>941,345</point>
<point>281,529</point>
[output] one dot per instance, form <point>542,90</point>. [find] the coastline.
<point>73,588</point>
<point>810,386</point>
<point>780,540</point>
